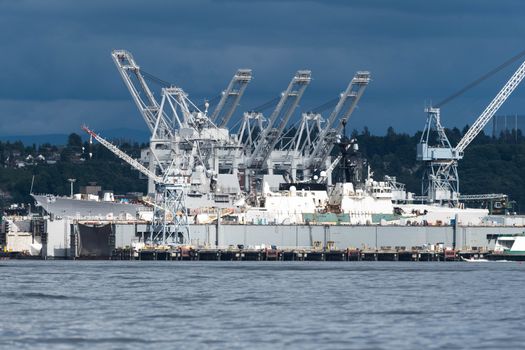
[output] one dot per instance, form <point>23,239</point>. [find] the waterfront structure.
<point>203,175</point>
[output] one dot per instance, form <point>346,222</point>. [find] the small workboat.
<point>474,260</point>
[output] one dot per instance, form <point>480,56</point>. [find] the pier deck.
<point>249,254</point>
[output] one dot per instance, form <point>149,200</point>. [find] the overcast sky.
<point>57,72</point>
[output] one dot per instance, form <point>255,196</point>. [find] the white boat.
<point>508,247</point>
<point>510,244</point>
<point>474,260</point>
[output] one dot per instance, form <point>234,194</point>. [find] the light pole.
<point>71,181</point>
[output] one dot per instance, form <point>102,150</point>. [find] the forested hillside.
<point>52,166</point>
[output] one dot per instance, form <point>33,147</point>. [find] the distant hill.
<point>54,139</point>
<point>61,139</point>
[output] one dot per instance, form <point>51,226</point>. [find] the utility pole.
<point>71,181</point>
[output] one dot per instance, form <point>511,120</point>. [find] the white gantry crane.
<point>179,129</point>
<point>161,129</point>
<point>148,106</point>
<point>309,149</point>
<point>441,181</point>
<point>204,150</point>
<point>330,134</point>
<point>230,98</point>
<point>269,135</point>
<point>170,224</point>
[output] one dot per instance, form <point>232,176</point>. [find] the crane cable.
<point>164,83</point>
<point>155,79</point>
<point>330,104</point>
<point>480,79</point>
<point>266,105</point>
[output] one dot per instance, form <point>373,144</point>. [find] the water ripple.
<point>298,305</point>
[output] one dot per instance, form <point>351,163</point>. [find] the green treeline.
<point>490,165</point>
<point>52,166</point>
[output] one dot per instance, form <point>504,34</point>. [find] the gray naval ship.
<point>89,228</point>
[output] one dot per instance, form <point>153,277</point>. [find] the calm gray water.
<point>302,305</point>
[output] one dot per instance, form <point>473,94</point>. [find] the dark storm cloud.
<point>57,65</point>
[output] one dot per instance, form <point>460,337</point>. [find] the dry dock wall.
<point>347,236</point>
<point>57,243</point>
<point>344,236</point>
<point>293,236</point>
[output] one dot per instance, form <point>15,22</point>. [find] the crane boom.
<point>141,93</point>
<point>441,177</point>
<point>279,118</point>
<point>491,109</point>
<point>352,95</point>
<point>329,170</point>
<point>116,151</point>
<point>355,90</point>
<point>231,97</point>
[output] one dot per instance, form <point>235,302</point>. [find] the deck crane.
<point>230,97</point>
<point>181,111</point>
<point>302,143</point>
<point>142,95</point>
<point>323,177</point>
<point>161,118</point>
<point>161,129</point>
<point>160,121</point>
<point>278,120</point>
<point>328,135</point>
<point>441,181</point>
<point>170,222</point>
<point>175,123</point>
